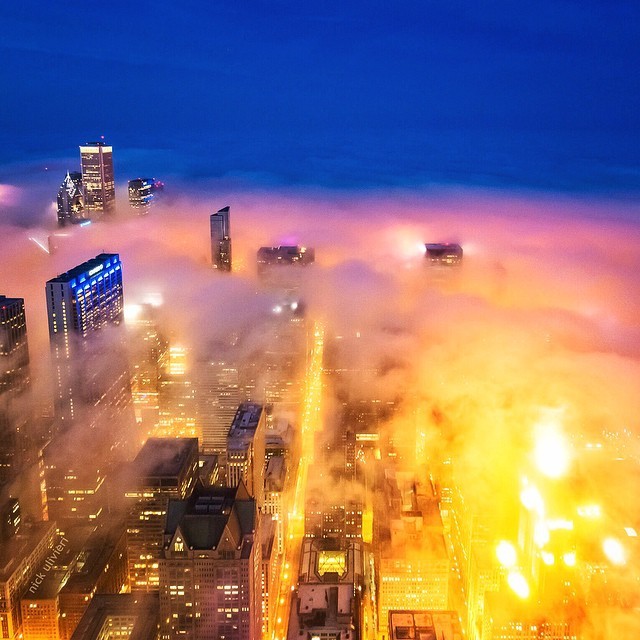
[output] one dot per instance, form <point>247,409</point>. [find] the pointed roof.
<point>211,515</point>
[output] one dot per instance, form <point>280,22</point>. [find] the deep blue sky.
<point>544,94</point>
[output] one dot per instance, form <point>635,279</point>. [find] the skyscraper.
<point>14,352</point>
<point>245,450</point>
<point>97,176</point>
<point>217,396</point>
<point>142,193</point>
<point>149,355</point>
<point>80,302</point>
<point>86,298</point>
<point>210,568</point>
<point>71,200</point>
<point>92,386</point>
<point>14,381</point>
<point>165,468</point>
<point>221,240</point>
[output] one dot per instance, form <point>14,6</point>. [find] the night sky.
<point>542,95</point>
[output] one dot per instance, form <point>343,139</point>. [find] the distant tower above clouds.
<point>71,200</point>
<point>97,176</point>
<point>221,240</point>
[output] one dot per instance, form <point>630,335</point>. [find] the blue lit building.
<point>93,407</point>
<point>80,302</point>
<point>85,298</point>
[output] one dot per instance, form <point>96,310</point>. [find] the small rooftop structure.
<point>164,457</point>
<point>246,420</point>
<point>424,625</point>
<point>275,474</point>
<point>285,255</point>
<point>444,253</point>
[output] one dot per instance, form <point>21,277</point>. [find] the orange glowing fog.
<point>534,342</point>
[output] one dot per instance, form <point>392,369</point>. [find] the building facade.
<point>70,200</point>
<point>217,396</point>
<point>14,350</point>
<point>80,302</point>
<point>97,175</point>
<point>210,569</point>
<point>245,450</point>
<point>165,468</point>
<point>14,383</point>
<point>141,193</point>
<point>20,559</point>
<point>221,240</point>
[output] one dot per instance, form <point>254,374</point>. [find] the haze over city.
<point>454,439</point>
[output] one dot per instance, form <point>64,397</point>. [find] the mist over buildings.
<point>541,317</point>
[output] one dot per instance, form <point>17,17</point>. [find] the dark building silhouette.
<point>284,255</point>
<point>443,253</point>
<point>221,240</point>
<point>14,383</point>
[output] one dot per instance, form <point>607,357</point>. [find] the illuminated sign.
<point>95,270</point>
<point>367,437</point>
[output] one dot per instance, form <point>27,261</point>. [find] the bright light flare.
<point>132,312</point>
<point>569,558</point>
<point>519,584</point>
<point>541,534</point>
<point>548,558</point>
<point>590,511</point>
<point>40,244</point>
<point>560,524</point>
<point>506,554</point>
<point>154,298</point>
<point>614,551</point>
<point>531,499</point>
<point>177,360</point>
<point>551,452</point>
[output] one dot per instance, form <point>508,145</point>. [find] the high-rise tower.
<point>92,386</point>
<point>210,570</point>
<point>97,175</point>
<point>164,469</point>
<point>14,352</point>
<point>221,240</point>
<point>14,382</point>
<point>71,200</point>
<point>80,302</point>
<point>245,450</point>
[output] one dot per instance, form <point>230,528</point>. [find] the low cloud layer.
<point>541,315</point>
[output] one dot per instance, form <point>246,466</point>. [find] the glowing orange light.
<point>532,499</point>
<point>590,511</point>
<point>518,584</point>
<point>614,550</point>
<point>541,534</point>
<point>551,453</point>
<point>132,312</point>
<point>506,554</point>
